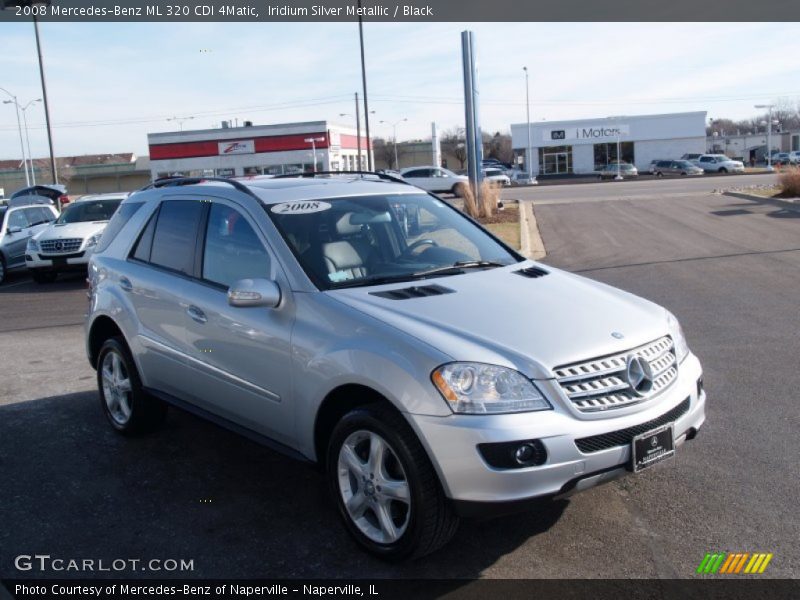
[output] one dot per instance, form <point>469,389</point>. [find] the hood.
<point>82,230</point>
<point>500,317</point>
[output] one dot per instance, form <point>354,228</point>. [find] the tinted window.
<point>145,242</point>
<point>233,250</point>
<point>117,222</point>
<point>663,163</point>
<point>89,210</point>
<point>706,159</point>
<point>176,234</point>
<point>416,173</point>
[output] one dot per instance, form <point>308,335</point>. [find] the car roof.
<point>419,167</point>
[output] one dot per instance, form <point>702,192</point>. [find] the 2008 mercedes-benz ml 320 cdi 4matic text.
<point>431,371</point>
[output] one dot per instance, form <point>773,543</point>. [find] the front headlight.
<point>477,388</point>
<point>675,330</point>
<point>92,241</point>
<point>33,245</point>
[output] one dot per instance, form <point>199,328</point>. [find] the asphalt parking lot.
<point>728,268</point>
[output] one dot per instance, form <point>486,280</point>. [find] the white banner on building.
<point>590,132</point>
<point>237,147</point>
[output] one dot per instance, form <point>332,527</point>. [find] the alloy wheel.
<point>374,487</point>
<point>116,388</point>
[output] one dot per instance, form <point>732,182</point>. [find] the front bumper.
<point>74,261</point>
<point>452,443</point>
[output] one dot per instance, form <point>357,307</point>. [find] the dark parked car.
<point>624,170</point>
<point>676,167</point>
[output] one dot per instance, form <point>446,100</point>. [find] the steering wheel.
<point>410,249</point>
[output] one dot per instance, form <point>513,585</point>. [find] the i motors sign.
<point>595,132</point>
<point>237,147</point>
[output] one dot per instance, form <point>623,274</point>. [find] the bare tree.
<point>498,146</point>
<point>453,142</point>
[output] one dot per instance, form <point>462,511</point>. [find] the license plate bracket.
<point>652,447</point>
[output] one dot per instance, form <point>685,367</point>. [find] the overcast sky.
<point>112,83</point>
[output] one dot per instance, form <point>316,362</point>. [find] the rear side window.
<point>176,235</point>
<point>117,222</point>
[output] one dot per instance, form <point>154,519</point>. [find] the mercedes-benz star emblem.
<point>59,245</point>
<point>639,374</point>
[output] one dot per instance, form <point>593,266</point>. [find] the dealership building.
<point>583,146</point>
<point>256,150</point>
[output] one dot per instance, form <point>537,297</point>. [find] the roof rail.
<point>178,181</point>
<point>312,174</point>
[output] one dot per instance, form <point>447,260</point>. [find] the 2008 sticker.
<point>302,207</point>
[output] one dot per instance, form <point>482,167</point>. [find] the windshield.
<point>88,210</point>
<point>368,240</point>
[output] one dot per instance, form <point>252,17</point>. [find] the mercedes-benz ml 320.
<point>431,371</point>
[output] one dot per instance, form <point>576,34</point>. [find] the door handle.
<point>196,314</point>
<point>125,284</point>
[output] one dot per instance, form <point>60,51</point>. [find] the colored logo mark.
<point>734,563</point>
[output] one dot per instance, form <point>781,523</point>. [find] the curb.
<point>763,200</point>
<point>530,239</point>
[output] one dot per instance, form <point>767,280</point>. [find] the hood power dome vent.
<point>421,291</point>
<point>532,272</point>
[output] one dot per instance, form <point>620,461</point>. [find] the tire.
<point>420,517</point>
<point>458,190</point>
<point>659,174</point>
<point>44,276</point>
<point>684,174</point>
<point>128,408</point>
<point>3,269</point>
<point>722,170</point>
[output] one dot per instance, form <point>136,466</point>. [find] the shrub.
<point>490,197</point>
<point>790,182</point>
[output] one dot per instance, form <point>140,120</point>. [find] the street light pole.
<point>769,133</point>
<point>364,84</point>
<point>529,152</point>
<point>46,105</point>
<point>180,121</point>
<point>19,128</point>
<point>27,137</point>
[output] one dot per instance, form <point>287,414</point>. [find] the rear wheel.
<point>44,276</point>
<point>458,190</point>
<point>127,406</point>
<point>385,487</point>
<point>722,170</point>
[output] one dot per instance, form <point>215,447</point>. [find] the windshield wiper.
<point>459,266</point>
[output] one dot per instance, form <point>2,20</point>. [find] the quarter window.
<point>232,250</point>
<point>176,234</point>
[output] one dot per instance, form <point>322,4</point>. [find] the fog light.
<point>524,453</point>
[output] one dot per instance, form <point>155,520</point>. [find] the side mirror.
<point>13,230</point>
<point>247,293</point>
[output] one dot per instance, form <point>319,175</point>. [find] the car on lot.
<point>67,243</point>
<point>435,179</point>
<point>523,178</point>
<point>55,192</point>
<point>496,176</point>
<point>718,163</point>
<point>794,157</point>
<point>782,158</point>
<point>20,218</point>
<point>676,167</point>
<point>301,313</point>
<point>612,170</point>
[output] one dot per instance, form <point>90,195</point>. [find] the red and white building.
<point>256,150</point>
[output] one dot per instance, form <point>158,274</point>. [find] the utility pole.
<point>364,83</point>
<point>358,134</point>
<point>19,128</point>
<point>529,154</point>
<point>46,105</point>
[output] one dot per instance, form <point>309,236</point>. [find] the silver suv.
<point>432,372</point>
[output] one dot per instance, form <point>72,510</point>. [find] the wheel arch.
<point>102,328</point>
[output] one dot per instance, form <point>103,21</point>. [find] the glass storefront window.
<point>606,154</point>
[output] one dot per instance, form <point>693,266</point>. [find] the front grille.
<point>623,437</point>
<point>64,246</point>
<point>601,384</point>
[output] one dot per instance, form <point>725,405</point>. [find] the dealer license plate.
<point>652,447</point>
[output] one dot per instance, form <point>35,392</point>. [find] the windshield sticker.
<point>300,208</point>
<point>340,276</point>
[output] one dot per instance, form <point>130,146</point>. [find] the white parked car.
<point>496,176</point>
<point>67,243</point>
<point>718,163</point>
<point>523,178</point>
<point>435,179</point>
<point>794,157</point>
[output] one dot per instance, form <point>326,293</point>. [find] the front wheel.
<point>659,174</point>
<point>723,170</point>
<point>2,269</point>
<point>385,487</point>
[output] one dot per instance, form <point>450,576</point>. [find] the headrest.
<point>345,226</point>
